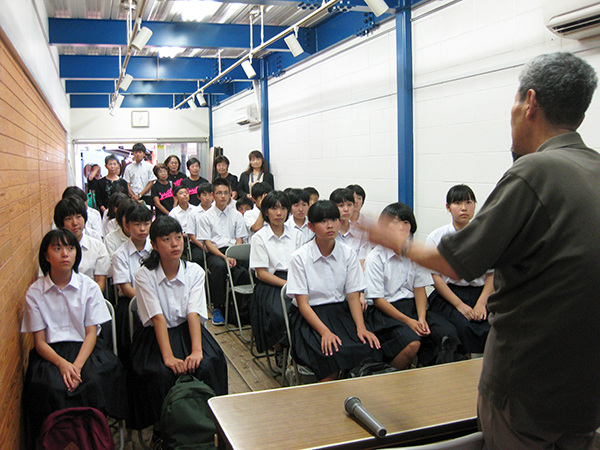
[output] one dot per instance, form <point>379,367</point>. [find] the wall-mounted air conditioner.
<point>247,115</point>
<point>572,19</point>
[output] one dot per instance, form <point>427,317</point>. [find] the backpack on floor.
<point>76,428</point>
<point>186,421</point>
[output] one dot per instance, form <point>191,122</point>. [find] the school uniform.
<point>193,227</point>
<point>307,233</point>
<point>138,176</point>
<point>357,239</point>
<point>365,221</point>
<point>222,228</point>
<point>395,278</point>
<point>175,299</point>
<point>183,216</point>
<point>473,335</point>
<point>272,253</point>
<point>127,260</point>
<point>94,223</point>
<point>326,281</point>
<point>64,314</point>
<point>94,257</point>
<point>114,240</point>
<point>250,218</point>
<point>110,226</point>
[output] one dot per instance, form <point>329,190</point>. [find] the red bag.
<point>76,428</point>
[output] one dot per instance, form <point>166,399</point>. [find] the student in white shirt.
<point>270,253</point>
<point>71,213</point>
<point>127,260</point>
<point>349,234</point>
<point>397,287</point>
<point>139,175</point>
<point>328,329</point>
<point>461,302</point>
<point>299,200</point>
<point>172,306</point>
<point>184,209</point>
<point>254,218</point>
<point>205,195</point>
<point>220,228</point>
<point>109,222</point>
<point>359,200</point>
<point>93,224</point>
<point>115,239</point>
<point>68,367</point>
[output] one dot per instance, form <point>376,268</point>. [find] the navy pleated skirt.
<point>150,380</point>
<point>306,342</point>
<point>439,327</point>
<point>472,334</point>
<point>103,384</point>
<point>393,335</point>
<point>266,314</point>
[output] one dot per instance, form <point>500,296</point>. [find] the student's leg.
<point>404,358</point>
<point>197,255</point>
<point>217,271</point>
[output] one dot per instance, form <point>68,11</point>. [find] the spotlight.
<point>247,66</point>
<point>117,104</point>
<point>141,38</point>
<point>292,42</point>
<point>377,6</point>
<point>201,99</point>
<point>125,82</point>
<point>192,104</point>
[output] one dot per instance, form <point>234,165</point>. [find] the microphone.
<point>355,408</point>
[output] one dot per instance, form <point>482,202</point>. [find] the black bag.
<point>186,421</point>
<point>370,367</point>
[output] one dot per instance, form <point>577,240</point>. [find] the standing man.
<point>139,175</point>
<point>540,384</point>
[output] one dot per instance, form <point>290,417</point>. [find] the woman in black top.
<point>173,163</point>
<point>257,172</point>
<point>222,171</point>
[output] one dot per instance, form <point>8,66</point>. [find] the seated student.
<point>243,205</point>
<point>270,253</point>
<point>173,163</point>
<point>194,180</point>
<point>127,260</point>
<point>68,367</point>
<point>324,278</point>
<point>109,184</point>
<point>184,209</point>
<point>221,170</point>
<point>71,213</point>
<point>162,191</point>
<point>350,234</point>
<point>221,227</point>
<point>314,195</point>
<point>109,222</point>
<point>461,302</point>
<point>172,306</point>
<point>359,199</point>
<point>205,193</point>
<point>116,238</point>
<point>397,287</point>
<point>299,200</point>
<point>93,224</point>
<point>254,218</point>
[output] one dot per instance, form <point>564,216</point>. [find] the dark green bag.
<point>186,421</point>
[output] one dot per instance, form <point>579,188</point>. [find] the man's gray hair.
<point>564,85</point>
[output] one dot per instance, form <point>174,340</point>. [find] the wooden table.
<point>413,405</point>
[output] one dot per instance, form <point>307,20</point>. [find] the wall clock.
<point>140,119</point>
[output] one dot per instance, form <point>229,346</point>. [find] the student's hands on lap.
<point>466,311</point>
<point>70,374</point>
<point>366,336</point>
<point>177,366</point>
<point>424,326</point>
<point>480,312</point>
<point>232,262</point>
<point>329,342</point>
<point>193,361</point>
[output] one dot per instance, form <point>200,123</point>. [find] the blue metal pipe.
<point>264,109</point>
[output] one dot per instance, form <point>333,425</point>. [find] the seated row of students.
<point>64,310</point>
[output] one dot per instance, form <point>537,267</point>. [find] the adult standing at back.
<point>540,385</point>
<point>222,171</point>
<point>139,175</point>
<point>257,172</point>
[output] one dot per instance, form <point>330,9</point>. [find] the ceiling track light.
<point>142,37</point>
<point>192,104</point>
<point>201,99</point>
<point>125,82</point>
<point>293,44</point>
<point>377,6</point>
<point>117,104</point>
<point>247,66</point>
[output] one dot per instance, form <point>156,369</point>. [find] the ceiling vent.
<point>573,19</point>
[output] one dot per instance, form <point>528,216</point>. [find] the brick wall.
<point>32,178</point>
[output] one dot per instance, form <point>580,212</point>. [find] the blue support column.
<point>404,75</point>
<point>210,122</point>
<point>264,109</point>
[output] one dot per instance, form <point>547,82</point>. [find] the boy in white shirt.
<point>253,218</point>
<point>205,195</point>
<point>139,175</point>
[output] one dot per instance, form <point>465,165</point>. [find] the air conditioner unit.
<point>247,115</point>
<point>572,19</point>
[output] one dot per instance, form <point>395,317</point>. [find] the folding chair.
<point>206,283</point>
<point>470,442</point>
<point>297,371</point>
<point>238,252</point>
<point>132,312</point>
<point>113,326</point>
